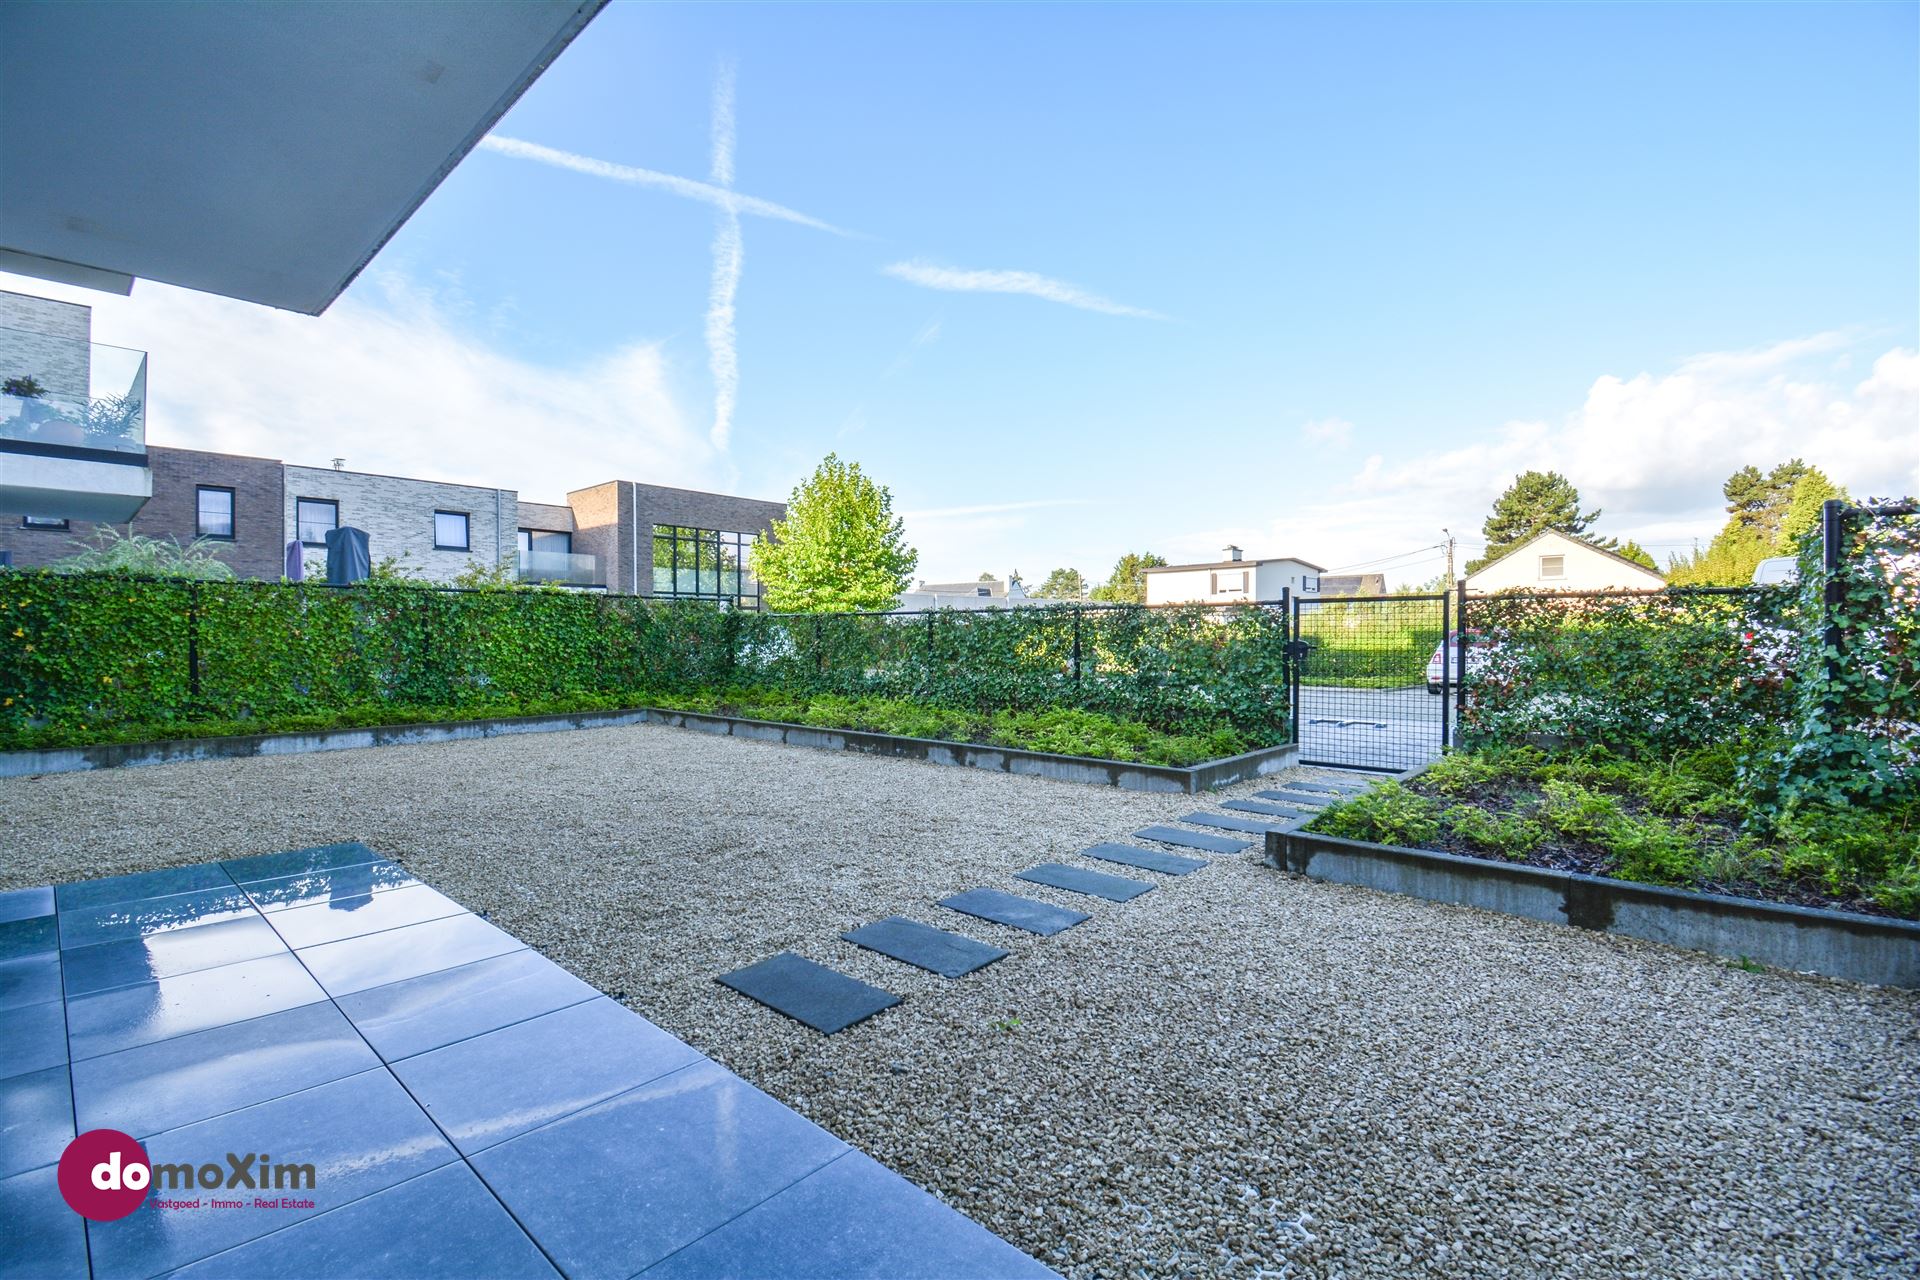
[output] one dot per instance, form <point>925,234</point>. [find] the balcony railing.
<point>560,568</point>
<point>63,391</point>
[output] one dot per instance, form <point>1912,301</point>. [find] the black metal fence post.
<point>1446,672</point>
<point>1459,650</point>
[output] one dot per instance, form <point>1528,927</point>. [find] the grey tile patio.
<point>1133,855</point>
<point>35,1039</point>
<point>376,959</point>
<point>108,1021</point>
<point>1011,909</point>
<point>401,1019</point>
<point>860,1222</point>
<point>140,917</point>
<point>380,1238</point>
<point>36,1119</point>
<point>697,1148</point>
<point>1097,884</point>
<point>24,904</point>
<point>168,954</point>
<point>822,998</point>
<point>337,886</point>
<point>29,937</point>
<point>141,884</point>
<point>32,979</point>
<point>45,1240</point>
<point>273,866</point>
<point>951,955</point>
<point>188,1078</point>
<point>331,922</point>
<point>478,1093</point>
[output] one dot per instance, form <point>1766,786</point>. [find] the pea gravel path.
<point>1240,1074</point>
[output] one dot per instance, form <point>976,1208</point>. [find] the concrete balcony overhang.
<point>100,485</point>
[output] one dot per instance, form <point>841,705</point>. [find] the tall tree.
<point>1535,500</point>
<point>1802,515</point>
<point>1064,584</point>
<point>1633,551</point>
<point>1767,514</point>
<point>840,548</point>
<point>1759,499</point>
<point>1128,585</point>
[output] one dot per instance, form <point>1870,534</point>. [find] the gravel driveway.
<point>1237,1074</point>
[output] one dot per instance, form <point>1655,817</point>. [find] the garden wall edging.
<point>1837,944</point>
<point>1114,773</point>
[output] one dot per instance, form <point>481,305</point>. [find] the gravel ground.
<point>1239,1074</point>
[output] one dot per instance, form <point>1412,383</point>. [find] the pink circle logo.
<point>104,1175</point>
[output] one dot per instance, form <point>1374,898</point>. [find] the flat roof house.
<point>1232,581</point>
<point>1554,561</point>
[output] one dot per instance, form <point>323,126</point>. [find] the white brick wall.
<point>397,514</point>
<point>47,341</point>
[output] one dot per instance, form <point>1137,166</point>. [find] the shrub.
<point>1510,835</point>
<point>1386,814</point>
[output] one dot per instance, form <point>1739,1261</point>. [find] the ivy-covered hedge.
<point>82,654</point>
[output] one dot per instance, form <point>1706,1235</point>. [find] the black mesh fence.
<point>1372,687</point>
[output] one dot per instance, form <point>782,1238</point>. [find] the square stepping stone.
<point>951,955</point>
<point>1192,839</point>
<point>1330,788</point>
<point>1133,855</point>
<point>1297,797</point>
<point>1227,822</point>
<point>807,992</point>
<point>1080,880</point>
<point>1270,808</point>
<point>1012,909</point>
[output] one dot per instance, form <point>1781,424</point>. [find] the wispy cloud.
<point>992,508</point>
<point>688,188</point>
<point>960,280</point>
<point>723,356</point>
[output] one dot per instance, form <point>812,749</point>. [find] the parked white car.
<point>1446,659</point>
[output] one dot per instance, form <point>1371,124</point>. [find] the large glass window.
<point>451,531</point>
<point>708,564</point>
<point>214,518</point>
<point>544,542</point>
<point>316,517</point>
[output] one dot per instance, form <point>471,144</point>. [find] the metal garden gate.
<point>1373,680</point>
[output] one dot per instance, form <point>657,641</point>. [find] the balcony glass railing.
<point>65,391</point>
<point>561,568</point>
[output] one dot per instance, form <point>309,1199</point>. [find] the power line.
<point>1383,560</point>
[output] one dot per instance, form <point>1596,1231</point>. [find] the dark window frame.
<point>466,522</point>
<point>48,525</point>
<point>686,545</point>
<point>233,512</point>
<point>318,502</point>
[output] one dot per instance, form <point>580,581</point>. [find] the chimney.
<point>1233,553</point>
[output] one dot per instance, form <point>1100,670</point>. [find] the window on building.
<point>983,591</point>
<point>214,515</point>
<point>708,564</point>
<point>451,531</point>
<point>1228,583</point>
<point>316,517</point>
<point>1553,566</point>
<point>544,542</point>
<point>42,522</point>
<point>1309,582</point>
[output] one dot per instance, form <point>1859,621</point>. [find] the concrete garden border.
<point>1837,944</point>
<point>1113,773</point>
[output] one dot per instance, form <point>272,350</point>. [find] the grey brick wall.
<point>47,341</point>
<point>397,514</point>
<point>607,517</point>
<point>173,512</point>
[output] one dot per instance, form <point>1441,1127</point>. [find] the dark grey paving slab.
<point>321,857</point>
<point>1303,798</point>
<point>375,959</point>
<point>1298,812</point>
<point>331,922</point>
<point>333,886</point>
<point>401,1019</point>
<point>1097,884</point>
<point>108,1021</point>
<point>951,955</point>
<point>1329,788</point>
<point>141,884</point>
<point>168,953</point>
<point>186,1079</point>
<point>25,904</point>
<point>837,1211</point>
<point>361,1134</point>
<point>143,917</point>
<point>697,1148</point>
<point>480,1093</point>
<point>43,1238</point>
<point>826,1000</point>
<point>29,937</point>
<point>36,1119</point>
<point>33,1037</point>
<point>1133,855</point>
<point>443,1225</point>
<point>1011,909</point>
<point>31,979</point>
<point>1228,822</point>
<point>1192,839</point>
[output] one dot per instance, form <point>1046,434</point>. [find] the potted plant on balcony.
<point>113,422</point>
<point>19,402</point>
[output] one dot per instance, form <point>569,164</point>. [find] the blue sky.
<point>1362,262</point>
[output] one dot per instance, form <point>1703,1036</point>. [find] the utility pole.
<point>1449,534</point>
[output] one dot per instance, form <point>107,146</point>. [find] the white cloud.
<point>1333,432</point>
<point>723,355</point>
<point>389,380</point>
<point>960,280</point>
<point>1651,450</point>
<point>688,188</point>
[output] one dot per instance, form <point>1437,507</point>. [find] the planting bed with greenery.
<point>1683,821</point>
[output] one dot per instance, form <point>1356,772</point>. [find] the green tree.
<point>1535,500</point>
<point>1633,551</point>
<point>840,548</point>
<point>1728,561</point>
<point>1128,585</point>
<point>1064,584</point>
<point>1802,515</point>
<point>1759,499</point>
<point>986,577</point>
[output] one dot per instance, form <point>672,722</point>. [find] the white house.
<point>1553,561</point>
<point>1232,581</point>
